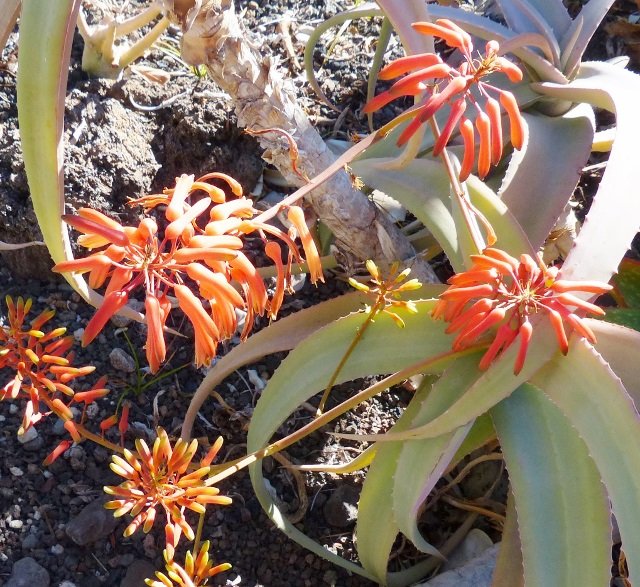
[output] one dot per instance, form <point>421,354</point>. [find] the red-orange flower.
<point>200,248</point>
<point>42,368</point>
<point>160,477</point>
<point>500,292</point>
<point>444,84</point>
<point>195,572</point>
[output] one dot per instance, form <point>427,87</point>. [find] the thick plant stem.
<point>213,35</point>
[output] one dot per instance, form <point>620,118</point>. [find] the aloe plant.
<point>565,423</point>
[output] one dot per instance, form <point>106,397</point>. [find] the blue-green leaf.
<point>563,511</point>
<point>596,403</point>
<point>534,200</point>
<point>612,221</point>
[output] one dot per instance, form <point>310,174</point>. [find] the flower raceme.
<point>499,292</point>
<point>43,371</point>
<point>187,254</point>
<point>160,478</point>
<point>195,572</point>
<point>445,84</point>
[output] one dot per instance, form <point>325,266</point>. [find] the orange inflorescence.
<point>160,477</point>
<point>43,371</point>
<point>503,293</point>
<point>454,86</point>
<point>195,572</point>
<point>199,249</point>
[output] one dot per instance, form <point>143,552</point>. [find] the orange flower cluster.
<point>188,254</point>
<point>160,477</point>
<point>500,291</point>
<point>454,86</point>
<point>196,572</point>
<point>42,366</point>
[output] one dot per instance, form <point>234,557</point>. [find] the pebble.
<point>122,361</point>
<point>28,436</point>
<point>16,524</point>
<point>57,549</point>
<point>30,542</point>
<point>27,572</point>
<point>91,524</point>
<point>341,509</point>
<point>473,545</point>
<point>16,471</point>
<point>476,573</point>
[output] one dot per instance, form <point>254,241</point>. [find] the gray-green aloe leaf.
<point>612,221</point>
<point>590,395</point>
<point>421,463</point>
<point>534,200</point>
<point>563,509</point>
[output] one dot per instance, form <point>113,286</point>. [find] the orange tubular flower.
<point>202,242</point>
<point>500,291</point>
<point>196,572</point>
<point>448,85</point>
<point>160,477</point>
<point>41,364</point>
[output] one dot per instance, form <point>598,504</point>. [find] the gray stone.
<point>138,571</point>
<point>476,573</point>
<point>27,572</point>
<point>473,545</point>
<point>341,509</point>
<point>30,542</point>
<point>91,524</point>
<point>122,361</point>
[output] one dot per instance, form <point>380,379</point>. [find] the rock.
<point>27,572</point>
<point>476,573</point>
<point>138,571</point>
<point>122,361</point>
<point>91,524</point>
<point>341,509</point>
<point>28,436</point>
<point>473,545</point>
<point>30,542</point>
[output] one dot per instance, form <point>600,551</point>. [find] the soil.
<point>130,137</point>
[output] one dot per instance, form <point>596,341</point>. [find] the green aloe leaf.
<point>526,186</point>
<point>491,387</point>
<point>617,345</point>
<point>46,32</point>
<point>423,188</point>
<point>509,570</point>
<point>309,367</point>
<point>421,463</point>
<point>563,510</point>
<point>552,11</point>
<point>594,400</point>
<point>376,528</point>
<point>606,233</point>
<point>488,29</point>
